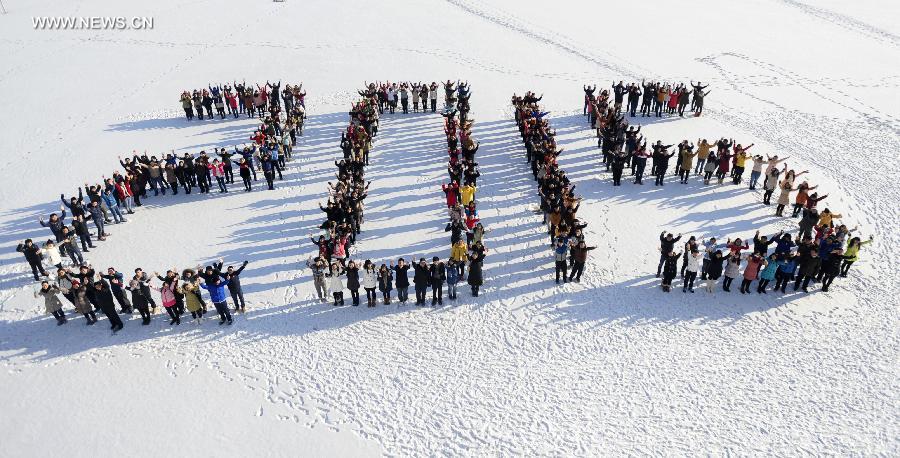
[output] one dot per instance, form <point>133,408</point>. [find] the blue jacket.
<point>784,246</point>
<point>788,267</point>
<point>768,272</point>
<point>109,199</point>
<point>452,275</point>
<point>826,248</point>
<point>216,292</point>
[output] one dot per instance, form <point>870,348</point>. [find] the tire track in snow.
<point>845,22</point>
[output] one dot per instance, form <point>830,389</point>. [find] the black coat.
<point>438,275</point>
<point>832,265</point>
<point>809,265</point>
<point>32,253</point>
<point>714,269</point>
<point>104,299</point>
<point>385,281</point>
<point>422,276</point>
<point>402,280</point>
<point>665,246</point>
<point>670,268</point>
<point>352,278</point>
<point>475,277</point>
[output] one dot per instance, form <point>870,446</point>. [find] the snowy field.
<point>608,366</point>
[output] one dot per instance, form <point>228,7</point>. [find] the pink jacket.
<point>752,269</point>
<point>218,170</point>
<point>168,294</point>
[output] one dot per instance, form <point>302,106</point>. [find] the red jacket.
<point>451,192</point>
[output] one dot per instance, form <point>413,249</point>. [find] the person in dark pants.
<point>83,233</point>
<point>401,280</point>
<point>116,285</point>
<point>217,294</point>
<point>666,245</point>
<point>579,255</point>
<point>104,298</point>
<point>438,275</point>
<point>52,304</point>
<point>559,253</point>
<point>831,267</point>
<point>144,284</point>
<point>670,269</point>
<point>662,164</point>
<point>475,278</point>
<point>33,255</point>
<point>233,278</point>
<point>422,280</point>
<point>809,267</point>
<point>268,166</point>
<point>139,301</point>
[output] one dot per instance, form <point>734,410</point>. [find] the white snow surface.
<point>609,366</point>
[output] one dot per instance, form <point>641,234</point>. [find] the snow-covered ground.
<point>607,366</point>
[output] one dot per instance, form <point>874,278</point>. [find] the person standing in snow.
<point>475,279</point>
<point>579,258</point>
<point>385,283</point>
<point>755,262</point>
<point>370,282</point>
<point>670,269</point>
<point>104,298</point>
<point>115,280</point>
<point>335,285</point>
<point>217,295</point>
<point>402,279</point>
<point>422,280</point>
<point>692,265</point>
<point>33,254</point>
<point>317,266</point>
<point>666,244</point>
<point>52,304</point>
<point>560,251</point>
<point>437,272</point>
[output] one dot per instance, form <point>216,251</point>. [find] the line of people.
<point>91,292</point>
<point>459,195</point>
<point>391,95</point>
<point>655,98</point>
<point>344,209</point>
<point>108,202</point>
<point>332,267</point>
<point>623,146</point>
<point>559,204</point>
<point>800,259</point>
<point>243,98</point>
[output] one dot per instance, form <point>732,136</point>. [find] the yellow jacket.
<point>458,251</point>
<point>467,194</point>
<point>703,150</point>
<point>741,158</point>
<point>825,218</point>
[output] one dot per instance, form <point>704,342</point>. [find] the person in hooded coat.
<point>104,297</point>
<point>475,279</point>
<point>52,304</point>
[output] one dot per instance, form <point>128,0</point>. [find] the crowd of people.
<point>334,271</point>
<point>91,292</point>
<point>623,146</point>
<point>109,200</point>
<point>559,204</point>
<point>243,98</point>
<point>655,98</point>
<point>794,261</point>
<point>389,96</point>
